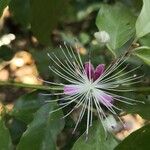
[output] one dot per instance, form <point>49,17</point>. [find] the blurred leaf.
<point>84,12</point>
<point>138,140</point>
<point>145,41</point>
<point>42,132</point>
<point>84,38</point>
<point>6,53</point>
<point>134,4</point>
<point>5,140</point>
<point>143,53</point>
<point>143,21</point>
<point>20,10</point>
<point>42,61</point>
<point>3,4</point>
<point>45,15</point>
<point>27,105</point>
<point>142,109</point>
<point>97,140</point>
<point>71,138</point>
<point>16,128</point>
<point>119,22</point>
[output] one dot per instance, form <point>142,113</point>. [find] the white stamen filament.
<point>86,92</point>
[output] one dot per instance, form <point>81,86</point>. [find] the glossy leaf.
<point>27,105</point>
<point>118,22</point>
<point>143,21</point>
<point>143,53</point>
<point>42,132</point>
<point>138,140</point>
<point>5,140</point>
<point>97,140</point>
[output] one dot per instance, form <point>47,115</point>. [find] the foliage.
<point>143,19</point>
<point>118,22</point>
<point>30,125</point>
<point>42,132</point>
<point>97,139</point>
<point>5,142</point>
<point>143,53</point>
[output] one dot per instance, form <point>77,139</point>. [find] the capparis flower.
<point>90,88</point>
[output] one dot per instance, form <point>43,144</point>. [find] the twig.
<point>48,88</point>
<point>30,86</point>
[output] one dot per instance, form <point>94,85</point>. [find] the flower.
<point>88,87</point>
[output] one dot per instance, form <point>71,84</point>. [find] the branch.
<point>30,86</point>
<point>48,88</point>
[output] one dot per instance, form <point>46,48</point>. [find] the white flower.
<point>89,88</point>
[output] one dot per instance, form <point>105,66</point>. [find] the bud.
<point>102,37</point>
<point>110,123</point>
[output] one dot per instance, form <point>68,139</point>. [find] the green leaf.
<point>5,140</point>
<point>20,11</point>
<point>16,129</point>
<point>143,109</point>
<point>138,140</point>
<point>119,22</point>
<point>143,21</point>
<point>45,15</point>
<point>97,140</point>
<point>145,41</point>
<point>3,4</point>
<point>27,105</point>
<point>86,10</point>
<point>143,53</point>
<point>84,38</point>
<point>42,62</point>
<point>42,132</point>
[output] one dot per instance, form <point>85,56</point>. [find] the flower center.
<point>89,86</point>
